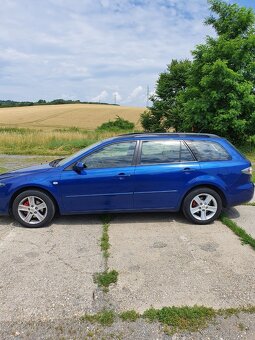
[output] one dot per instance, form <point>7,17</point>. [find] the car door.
<point>105,184</point>
<point>164,168</point>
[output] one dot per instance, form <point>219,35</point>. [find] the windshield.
<point>77,154</point>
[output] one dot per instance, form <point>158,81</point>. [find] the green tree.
<point>164,113</point>
<point>220,92</point>
<point>218,95</point>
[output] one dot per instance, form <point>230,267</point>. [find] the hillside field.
<point>85,116</point>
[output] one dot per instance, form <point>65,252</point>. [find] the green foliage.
<point>241,233</point>
<point>216,90</point>
<point>165,112</point>
<point>105,318</point>
<point>2,170</point>
<point>116,125</point>
<point>69,146</point>
<point>130,315</point>
<point>14,130</point>
<point>106,278</point>
<point>181,318</point>
<point>12,103</point>
<point>173,319</point>
<point>104,244</point>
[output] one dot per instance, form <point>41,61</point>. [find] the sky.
<point>95,50</point>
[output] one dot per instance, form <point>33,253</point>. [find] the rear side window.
<point>169,151</point>
<point>208,151</point>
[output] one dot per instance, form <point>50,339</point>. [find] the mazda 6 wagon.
<point>198,174</point>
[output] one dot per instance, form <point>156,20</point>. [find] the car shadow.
<point>124,218</point>
<point>115,218</point>
<point>232,213</point>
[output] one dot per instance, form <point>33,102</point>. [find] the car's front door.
<point>161,175</point>
<point>105,184</point>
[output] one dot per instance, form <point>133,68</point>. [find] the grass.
<point>130,315</point>
<point>106,278</point>
<point>241,233</point>
<point>173,319</point>
<point>252,204</point>
<point>181,318</point>
<point>104,244</point>
<point>2,170</point>
<point>248,151</point>
<point>105,318</point>
<point>20,141</point>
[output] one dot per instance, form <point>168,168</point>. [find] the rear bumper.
<point>242,194</point>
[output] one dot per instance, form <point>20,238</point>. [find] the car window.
<point>164,152</point>
<point>111,156</point>
<point>208,151</point>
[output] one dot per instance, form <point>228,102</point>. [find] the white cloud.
<point>102,96</point>
<point>79,46</point>
<point>136,92</point>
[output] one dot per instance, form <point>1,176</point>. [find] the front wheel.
<point>202,206</point>
<point>33,208</point>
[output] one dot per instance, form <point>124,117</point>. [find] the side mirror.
<point>78,167</point>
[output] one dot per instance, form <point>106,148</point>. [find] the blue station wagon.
<point>198,174</point>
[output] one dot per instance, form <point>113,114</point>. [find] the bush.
<point>116,125</point>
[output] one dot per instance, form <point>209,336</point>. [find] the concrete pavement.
<point>47,273</point>
<point>162,261</point>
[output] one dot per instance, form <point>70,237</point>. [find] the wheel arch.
<point>209,186</point>
<point>19,191</point>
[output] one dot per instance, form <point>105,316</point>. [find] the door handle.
<point>122,174</point>
<point>188,169</point>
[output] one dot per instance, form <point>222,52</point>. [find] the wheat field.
<point>86,116</point>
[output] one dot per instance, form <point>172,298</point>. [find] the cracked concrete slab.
<point>163,260</point>
<point>244,217</point>
<point>47,273</point>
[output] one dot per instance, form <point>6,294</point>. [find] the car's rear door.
<point>163,171</point>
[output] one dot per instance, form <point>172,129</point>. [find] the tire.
<point>33,209</point>
<point>202,206</point>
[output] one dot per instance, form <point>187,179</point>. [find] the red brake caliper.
<point>26,203</point>
<point>194,204</point>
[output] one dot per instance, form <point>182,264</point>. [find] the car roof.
<point>165,135</point>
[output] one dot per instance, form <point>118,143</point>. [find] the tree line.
<point>12,103</point>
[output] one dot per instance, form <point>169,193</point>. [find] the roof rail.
<point>177,134</point>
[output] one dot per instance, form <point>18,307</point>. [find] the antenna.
<point>115,98</point>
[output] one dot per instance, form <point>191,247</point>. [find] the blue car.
<point>196,173</point>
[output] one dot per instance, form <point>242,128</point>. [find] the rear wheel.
<point>202,206</point>
<point>33,208</point>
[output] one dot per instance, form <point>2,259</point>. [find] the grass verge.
<point>252,204</point>
<point>241,233</point>
<point>173,319</point>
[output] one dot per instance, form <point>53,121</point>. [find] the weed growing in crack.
<point>105,317</point>
<point>130,315</point>
<point>106,278</point>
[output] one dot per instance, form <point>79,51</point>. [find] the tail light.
<point>247,171</point>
